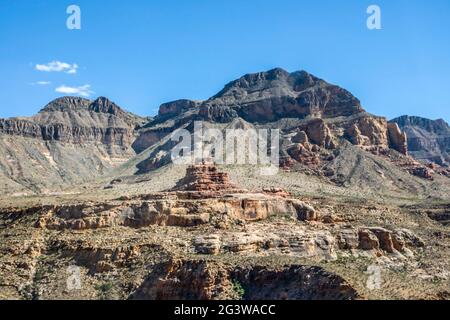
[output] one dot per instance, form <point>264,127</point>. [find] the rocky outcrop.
<point>99,260</point>
<point>320,134</point>
<point>368,240</point>
<point>368,131</point>
<point>20,127</point>
<point>104,105</point>
<point>297,240</point>
<point>71,140</point>
<point>378,239</point>
<point>428,140</point>
<point>204,178</point>
<point>397,139</point>
<point>176,107</point>
<point>192,279</point>
<point>348,239</point>
<point>276,94</point>
<point>77,120</point>
<point>170,210</point>
<point>203,193</point>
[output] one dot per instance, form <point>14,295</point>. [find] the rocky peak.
<point>276,94</point>
<point>275,78</point>
<point>66,104</point>
<point>428,140</point>
<point>104,105</point>
<point>434,126</point>
<point>176,107</point>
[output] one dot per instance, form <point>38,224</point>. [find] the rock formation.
<point>369,131</point>
<point>177,107</point>
<point>205,177</point>
<point>71,140</point>
<point>320,134</point>
<point>348,198</point>
<point>208,281</point>
<point>327,112</point>
<point>275,94</point>
<point>397,139</point>
<point>205,192</point>
<point>428,140</point>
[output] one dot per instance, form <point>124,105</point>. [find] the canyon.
<point>85,184</point>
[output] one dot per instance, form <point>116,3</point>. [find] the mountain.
<point>89,188</point>
<point>428,140</point>
<point>315,119</point>
<point>276,94</point>
<point>71,140</point>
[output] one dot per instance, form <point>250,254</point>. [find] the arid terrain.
<point>92,206</point>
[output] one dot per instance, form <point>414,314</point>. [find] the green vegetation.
<point>105,290</point>
<point>238,289</point>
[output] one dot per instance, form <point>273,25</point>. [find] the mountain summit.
<point>275,94</point>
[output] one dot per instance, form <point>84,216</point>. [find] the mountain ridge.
<point>321,117</point>
<point>428,140</point>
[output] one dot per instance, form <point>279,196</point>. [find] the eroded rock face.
<point>369,131</point>
<point>205,191</point>
<point>20,127</point>
<point>71,140</point>
<point>77,120</point>
<point>368,240</point>
<point>100,260</point>
<point>385,239</point>
<point>377,238</point>
<point>397,139</point>
<point>319,134</point>
<point>349,238</point>
<point>176,107</point>
<point>191,279</point>
<point>275,94</point>
<point>428,140</point>
<point>168,210</point>
<point>311,144</point>
<point>316,143</point>
<point>296,240</point>
<point>204,178</point>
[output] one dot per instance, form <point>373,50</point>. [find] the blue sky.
<point>143,53</point>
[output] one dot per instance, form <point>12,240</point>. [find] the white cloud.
<point>40,83</point>
<point>83,91</point>
<point>57,66</point>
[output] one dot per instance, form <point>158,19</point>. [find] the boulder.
<point>210,244</point>
<point>408,238</point>
<point>385,239</point>
<point>348,239</point>
<point>368,240</point>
